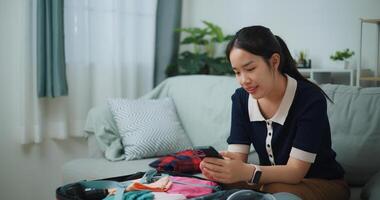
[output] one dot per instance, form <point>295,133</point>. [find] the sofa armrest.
<point>371,190</point>
<point>103,134</point>
<point>93,149</point>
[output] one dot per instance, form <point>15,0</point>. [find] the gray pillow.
<point>148,127</point>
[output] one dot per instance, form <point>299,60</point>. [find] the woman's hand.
<point>231,169</point>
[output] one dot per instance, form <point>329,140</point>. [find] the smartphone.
<point>209,151</point>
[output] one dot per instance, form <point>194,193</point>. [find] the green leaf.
<point>187,40</point>
<point>342,55</point>
<point>171,70</point>
<point>216,32</point>
<point>228,37</point>
<point>191,63</point>
<point>219,66</point>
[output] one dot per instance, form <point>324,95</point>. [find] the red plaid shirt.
<point>184,161</point>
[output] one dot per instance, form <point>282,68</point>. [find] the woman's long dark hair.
<point>260,41</point>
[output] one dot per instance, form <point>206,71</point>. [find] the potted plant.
<point>202,59</point>
<point>342,56</point>
<point>302,61</point>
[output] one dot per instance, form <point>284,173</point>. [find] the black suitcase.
<point>75,191</point>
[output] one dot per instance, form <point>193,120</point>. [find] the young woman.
<point>284,116</point>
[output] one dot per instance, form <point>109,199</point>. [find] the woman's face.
<point>253,73</point>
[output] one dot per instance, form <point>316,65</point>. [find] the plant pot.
<point>343,64</point>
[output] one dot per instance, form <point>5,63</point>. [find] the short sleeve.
<point>239,140</point>
<point>312,125</point>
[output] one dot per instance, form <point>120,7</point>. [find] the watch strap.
<point>255,176</point>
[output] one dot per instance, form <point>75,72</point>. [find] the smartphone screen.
<point>209,151</point>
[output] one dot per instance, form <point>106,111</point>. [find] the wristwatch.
<point>256,176</point>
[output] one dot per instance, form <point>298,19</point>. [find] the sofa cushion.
<point>148,127</point>
<point>203,104</point>
<point>354,119</point>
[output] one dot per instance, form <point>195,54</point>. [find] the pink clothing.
<point>190,187</point>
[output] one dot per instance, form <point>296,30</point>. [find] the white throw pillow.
<point>148,128</point>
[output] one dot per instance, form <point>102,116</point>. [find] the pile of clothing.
<point>170,180</point>
<point>152,186</point>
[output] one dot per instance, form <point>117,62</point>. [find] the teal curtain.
<point>167,40</point>
<point>51,69</point>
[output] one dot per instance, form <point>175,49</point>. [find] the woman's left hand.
<point>228,170</point>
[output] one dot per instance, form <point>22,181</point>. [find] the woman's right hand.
<point>228,155</point>
<point>228,170</point>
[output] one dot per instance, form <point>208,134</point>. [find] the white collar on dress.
<point>282,112</point>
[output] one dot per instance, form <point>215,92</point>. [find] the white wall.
<point>30,172</point>
<point>319,27</point>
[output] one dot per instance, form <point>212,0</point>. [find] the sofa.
<point>203,104</point>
